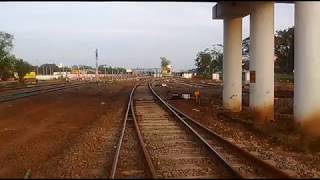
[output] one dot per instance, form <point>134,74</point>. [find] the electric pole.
<point>96,64</point>
<point>112,73</point>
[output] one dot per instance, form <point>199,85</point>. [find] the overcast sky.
<point>129,34</point>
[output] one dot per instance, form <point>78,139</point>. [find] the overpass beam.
<point>307,66</point>
<point>261,99</point>
<point>232,64</point>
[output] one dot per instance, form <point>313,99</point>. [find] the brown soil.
<point>68,133</point>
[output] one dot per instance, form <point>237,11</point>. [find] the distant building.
<point>146,71</point>
<point>187,75</point>
<point>129,71</point>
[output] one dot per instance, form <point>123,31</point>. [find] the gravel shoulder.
<point>237,130</point>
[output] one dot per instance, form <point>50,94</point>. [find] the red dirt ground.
<point>38,132</point>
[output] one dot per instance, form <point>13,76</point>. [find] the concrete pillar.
<point>261,97</point>
<point>307,66</point>
<point>232,64</point>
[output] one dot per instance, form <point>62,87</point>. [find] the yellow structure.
<point>79,71</point>
<point>31,75</point>
<point>197,95</point>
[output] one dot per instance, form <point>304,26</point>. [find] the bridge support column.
<point>307,66</point>
<point>262,61</point>
<point>232,64</point>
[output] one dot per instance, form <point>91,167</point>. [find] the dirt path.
<point>51,133</point>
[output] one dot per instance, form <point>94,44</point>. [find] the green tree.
<point>65,69</point>
<point>284,50</point>
<point>209,61</point>
<point>5,43</point>
<point>6,67</point>
<point>245,46</point>
<point>217,58</point>
<point>164,65</point>
<point>6,59</point>
<point>108,70</point>
<point>203,63</point>
<point>164,62</point>
<point>245,53</point>
<point>102,68</point>
<point>22,68</point>
<point>121,70</point>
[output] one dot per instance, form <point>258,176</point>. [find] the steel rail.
<point>145,152</point>
<point>116,157</point>
<point>189,84</point>
<point>143,146</point>
<point>224,162</point>
<point>253,159</point>
<point>18,95</point>
<point>205,84</point>
<point>35,89</point>
<point>26,87</point>
<point>266,166</point>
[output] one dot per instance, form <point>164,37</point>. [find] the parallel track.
<point>159,141</point>
<point>193,84</point>
<point>26,87</point>
<point>175,149</point>
<point>131,159</point>
<point>245,163</point>
<point>35,91</point>
<point>169,148</point>
<point>196,85</point>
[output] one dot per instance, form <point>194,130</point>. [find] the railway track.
<point>170,148</point>
<point>35,91</point>
<point>196,85</point>
<point>14,88</point>
<point>131,159</point>
<point>159,141</point>
<point>246,164</point>
<point>245,88</point>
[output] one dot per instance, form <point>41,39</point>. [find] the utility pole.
<point>112,73</point>
<point>96,64</point>
<point>66,72</point>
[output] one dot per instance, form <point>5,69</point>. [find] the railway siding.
<point>180,157</point>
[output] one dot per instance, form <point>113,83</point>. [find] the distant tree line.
<point>210,61</point>
<point>48,69</point>
<point>8,62</point>
<point>111,70</point>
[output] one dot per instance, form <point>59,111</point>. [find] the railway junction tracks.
<point>13,88</point>
<point>159,141</point>
<point>26,92</point>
